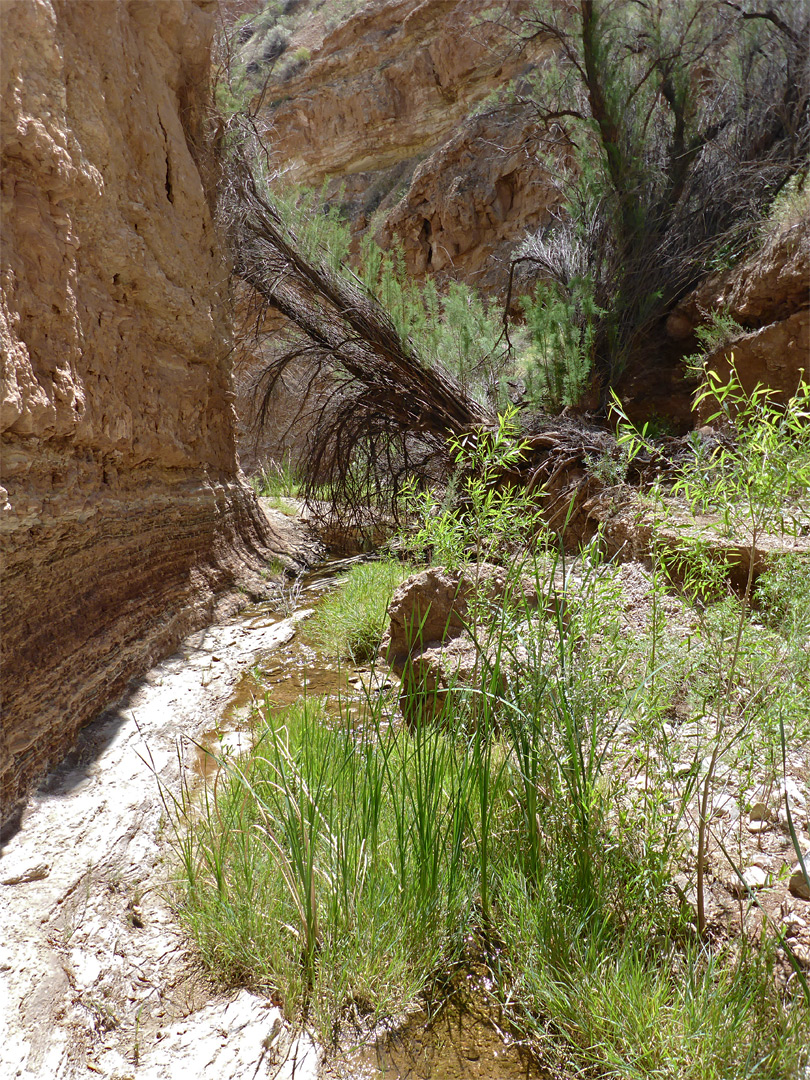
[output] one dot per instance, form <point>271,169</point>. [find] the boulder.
<point>428,643</point>
<point>798,884</point>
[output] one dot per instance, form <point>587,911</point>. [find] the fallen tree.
<point>379,414</point>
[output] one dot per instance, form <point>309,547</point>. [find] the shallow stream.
<point>461,1033</point>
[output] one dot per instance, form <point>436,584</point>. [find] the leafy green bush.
<point>756,481</point>
<point>721,330</point>
<point>457,328</point>
<point>478,519</point>
<point>783,593</point>
<point>561,326</point>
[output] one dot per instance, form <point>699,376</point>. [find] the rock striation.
<point>392,106</point>
<point>125,519</point>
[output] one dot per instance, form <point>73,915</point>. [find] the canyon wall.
<point>126,522</point>
<point>392,106</point>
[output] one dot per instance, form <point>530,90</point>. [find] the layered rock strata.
<point>125,520</point>
<point>392,107</point>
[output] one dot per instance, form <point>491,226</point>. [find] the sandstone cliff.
<point>125,519</point>
<point>392,106</point>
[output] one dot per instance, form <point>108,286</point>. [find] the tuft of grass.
<point>350,621</point>
<point>328,865</point>
<point>277,480</point>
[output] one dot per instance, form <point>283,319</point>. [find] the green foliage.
<point>783,593</point>
<point>459,328</point>
<point>662,172</point>
<point>759,478</point>
<point>482,517</point>
<point>722,329</point>
<point>320,230</point>
<point>331,866</point>
<point>349,622</point>
<point>277,479</point>
<point>561,326</point>
<point>756,480</point>
<point>645,1012</point>
<point>344,862</point>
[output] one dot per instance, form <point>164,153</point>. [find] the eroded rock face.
<point>768,296</point>
<point>124,516</point>
<point>469,204</point>
<point>387,107</point>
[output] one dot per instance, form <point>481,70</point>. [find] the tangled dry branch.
<point>375,410</point>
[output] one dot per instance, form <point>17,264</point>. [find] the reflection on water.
<point>462,1037</point>
<point>286,674</point>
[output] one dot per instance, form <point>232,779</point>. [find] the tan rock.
<point>386,107</point>
<point>473,199</point>
<point>798,883</point>
<point>429,643</point>
<point>753,879</point>
<point>768,295</point>
<point>434,606</point>
<point>125,519</point>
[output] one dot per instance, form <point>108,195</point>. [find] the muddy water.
<point>460,1035</point>
<point>291,671</point>
<point>462,1038</point>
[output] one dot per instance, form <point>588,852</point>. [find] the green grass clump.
<point>350,621</point>
<point>329,866</point>
<point>277,480</point>
<point>345,866</point>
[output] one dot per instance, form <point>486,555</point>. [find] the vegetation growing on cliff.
<point>670,128</point>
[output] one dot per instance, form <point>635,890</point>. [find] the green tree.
<point>670,125</point>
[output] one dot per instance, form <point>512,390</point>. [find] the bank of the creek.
<point>97,978</point>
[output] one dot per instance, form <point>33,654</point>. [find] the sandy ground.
<point>95,975</point>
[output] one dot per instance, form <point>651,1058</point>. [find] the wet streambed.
<point>461,1033</point>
